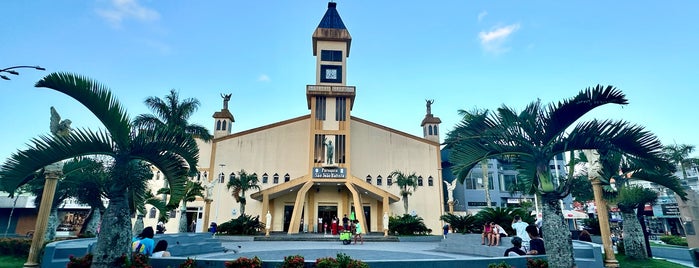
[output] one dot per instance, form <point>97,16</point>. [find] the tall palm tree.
<point>240,184</point>
<point>629,200</point>
<point>171,114</point>
<point>170,152</point>
<point>405,182</point>
<point>534,136</point>
<point>679,155</point>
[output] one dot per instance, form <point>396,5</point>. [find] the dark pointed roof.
<point>331,28</point>
<point>332,19</point>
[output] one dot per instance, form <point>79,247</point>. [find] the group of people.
<point>527,239</point>
<point>144,244</point>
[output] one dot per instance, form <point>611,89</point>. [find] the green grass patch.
<point>12,261</point>
<point>653,244</point>
<point>625,262</point>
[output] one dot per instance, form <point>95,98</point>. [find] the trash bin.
<point>694,252</point>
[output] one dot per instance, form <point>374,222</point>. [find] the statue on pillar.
<point>58,127</point>
<point>226,98</point>
<point>268,223</point>
<point>210,190</point>
<point>429,106</point>
<point>450,190</point>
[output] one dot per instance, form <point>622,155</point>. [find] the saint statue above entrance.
<point>329,151</point>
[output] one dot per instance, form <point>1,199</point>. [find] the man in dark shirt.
<point>345,223</point>
<point>536,244</point>
<point>516,248</point>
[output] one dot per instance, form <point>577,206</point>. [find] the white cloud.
<point>482,15</point>
<point>494,41</point>
<point>263,78</point>
<point>120,10</point>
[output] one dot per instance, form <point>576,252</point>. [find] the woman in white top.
<point>498,231</point>
<point>160,250</point>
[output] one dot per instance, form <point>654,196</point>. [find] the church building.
<point>327,163</point>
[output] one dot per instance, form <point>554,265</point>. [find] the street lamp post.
<point>11,70</point>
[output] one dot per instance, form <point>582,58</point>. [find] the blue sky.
<point>462,54</point>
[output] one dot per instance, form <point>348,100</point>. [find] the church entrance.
<point>326,213</point>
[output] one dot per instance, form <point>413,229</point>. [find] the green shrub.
<point>674,240</point>
<point>461,224</point>
<point>502,264</point>
<point>407,225</point>
<point>243,225</point>
<point>18,247</point>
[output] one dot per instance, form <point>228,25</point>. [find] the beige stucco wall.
<point>380,151</point>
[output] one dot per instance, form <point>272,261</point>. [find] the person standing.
<point>446,230</point>
<point>358,232</point>
<point>520,228</point>
<point>345,223</point>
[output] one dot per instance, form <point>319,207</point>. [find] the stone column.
<point>451,207</point>
<point>207,213</point>
<point>52,173</point>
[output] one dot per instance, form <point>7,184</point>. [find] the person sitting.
<point>536,244</point>
<point>487,233</point>
<point>143,243</point>
<point>498,232</point>
<point>516,249</point>
<point>585,236</point>
<point>161,249</point>
<point>160,228</point>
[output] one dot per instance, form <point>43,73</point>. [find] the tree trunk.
<point>115,234</point>
<point>646,234</point>
<point>183,227</point>
<point>243,201</point>
<point>486,181</point>
<point>405,203</point>
<point>95,218</point>
<point>9,219</point>
<point>633,237</point>
<point>138,224</point>
<point>52,225</point>
<point>558,243</point>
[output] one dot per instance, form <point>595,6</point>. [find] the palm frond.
<point>96,98</point>
<point>46,150</point>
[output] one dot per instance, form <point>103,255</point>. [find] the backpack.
<point>137,247</point>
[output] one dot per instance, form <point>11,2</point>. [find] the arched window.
<point>430,129</point>
<point>275,178</point>
<point>265,177</point>
<point>430,181</point>
<point>218,124</point>
<point>368,179</point>
<point>221,177</point>
<point>435,130</point>
<point>232,176</point>
<point>224,125</point>
<point>379,180</point>
<point>419,181</point>
<point>287,177</point>
<point>151,213</point>
<point>389,181</point>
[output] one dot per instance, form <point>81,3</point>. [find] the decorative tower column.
<point>52,173</point>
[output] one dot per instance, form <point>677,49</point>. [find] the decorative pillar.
<point>207,212</point>
<point>451,207</point>
<point>603,214</point>
<point>52,172</point>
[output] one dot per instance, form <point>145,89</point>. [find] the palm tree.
<point>170,152</point>
<point>534,136</point>
<point>171,114</point>
<point>405,182</point>
<point>633,198</point>
<point>240,184</point>
<point>191,191</point>
<point>679,155</point>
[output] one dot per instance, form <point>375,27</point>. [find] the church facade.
<point>325,164</point>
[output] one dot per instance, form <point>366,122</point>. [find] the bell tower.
<point>330,99</point>
<point>223,119</point>
<point>430,124</point>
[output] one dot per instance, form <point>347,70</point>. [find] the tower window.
<point>287,177</point>
<point>419,181</point>
<point>275,178</point>
<point>218,124</point>
<point>340,109</point>
<point>319,148</point>
<point>379,180</point>
<point>223,126</point>
<point>331,73</point>
<point>430,181</point>
<point>340,149</point>
<point>265,178</point>
<point>389,181</point>
<point>320,108</point>
<point>430,129</point>
<point>435,130</point>
<point>331,55</point>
